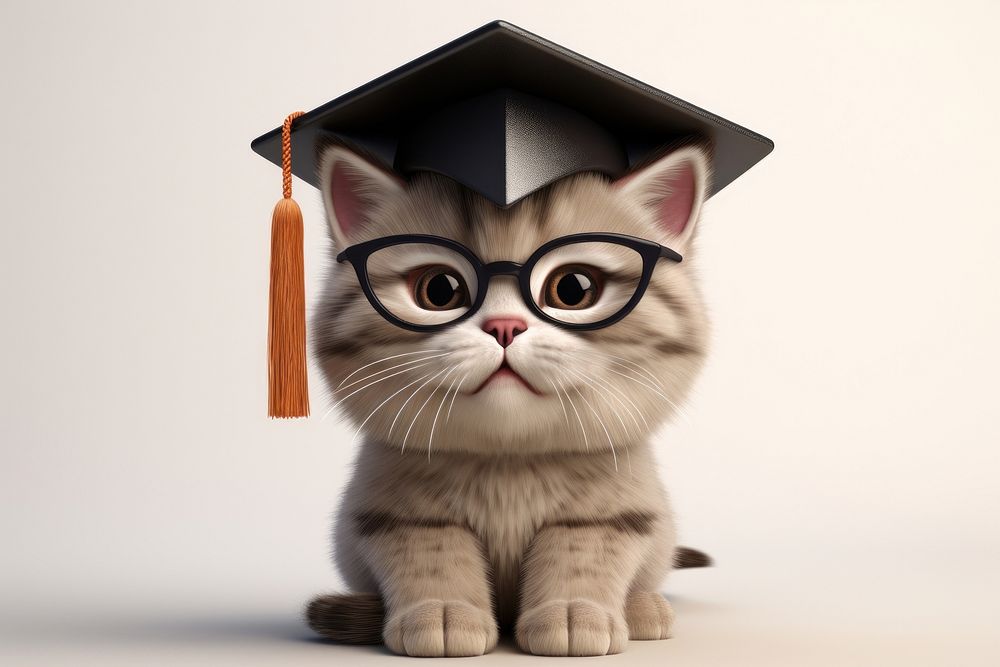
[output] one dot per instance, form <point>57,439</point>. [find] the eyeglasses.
<point>423,282</point>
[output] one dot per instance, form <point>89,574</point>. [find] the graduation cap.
<point>501,111</point>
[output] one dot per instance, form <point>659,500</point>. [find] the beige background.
<point>840,456</point>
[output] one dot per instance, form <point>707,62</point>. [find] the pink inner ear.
<point>675,209</point>
<point>347,202</point>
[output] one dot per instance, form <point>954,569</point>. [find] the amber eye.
<point>572,287</point>
<point>439,288</point>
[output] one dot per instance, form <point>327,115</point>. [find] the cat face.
<point>505,380</point>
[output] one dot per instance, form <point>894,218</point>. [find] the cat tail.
<point>350,618</point>
<point>687,557</point>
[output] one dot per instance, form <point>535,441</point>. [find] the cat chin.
<point>507,383</point>
<point>505,397</point>
<point>506,418</point>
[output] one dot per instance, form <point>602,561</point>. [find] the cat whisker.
<point>601,422</point>
<point>437,414</point>
<point>639,432</point>
<point>559,396</point>
<point>625,430</point>
<point>453,396</point>
<point>603,395</point>
<point>561,358</point>
<point>410,397</point>
<point>644,384</point>
<point>391,396</point>
<point>370,384</point>
<point>622,361</point>
<point>386,370</point>
<point>623,394</point>
<point>656,391</point>
<point>424,405</point>
<point>577,412</point>
<point>591,380</point>
<point>394,356</point>
<point>618,392</point>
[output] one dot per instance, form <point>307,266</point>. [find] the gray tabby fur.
<point>541,512</point>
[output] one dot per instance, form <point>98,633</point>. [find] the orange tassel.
<point>288,388</point>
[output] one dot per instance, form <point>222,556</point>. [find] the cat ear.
<point>673,187</point>
<point>353,186</point>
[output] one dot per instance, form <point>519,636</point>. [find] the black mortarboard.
<point>500,110</point>
<point>505,112</point>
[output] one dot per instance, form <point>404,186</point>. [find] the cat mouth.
<point>505,373</point>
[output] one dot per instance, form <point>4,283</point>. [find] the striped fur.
<point>471,513</point>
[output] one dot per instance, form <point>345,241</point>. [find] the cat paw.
<point>438,628</point>
<point>649,616</point>
<point>571,627</point>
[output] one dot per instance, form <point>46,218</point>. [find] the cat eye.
<point>571,287</point>
<point>423,282</point>
<point>439,288</point>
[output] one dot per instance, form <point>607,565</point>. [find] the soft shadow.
<point>179,629</point>
<point>173,629</point>
<point>684,604</point>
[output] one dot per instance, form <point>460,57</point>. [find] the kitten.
<point>524,497</point>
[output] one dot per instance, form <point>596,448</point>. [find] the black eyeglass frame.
<point>649,251</point>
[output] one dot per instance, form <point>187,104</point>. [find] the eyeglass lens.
<point>577,283</point>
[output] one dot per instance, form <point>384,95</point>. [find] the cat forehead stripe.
<point>505,112</point>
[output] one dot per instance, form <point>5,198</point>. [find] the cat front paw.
<point>439,628</point>
<point>571,627</point>
<point>649,616</point>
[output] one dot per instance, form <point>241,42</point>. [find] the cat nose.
<point>505,328</point>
